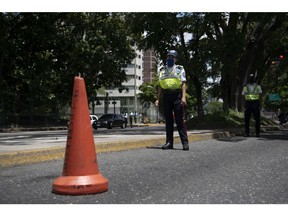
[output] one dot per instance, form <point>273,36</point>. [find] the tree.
<point>242,43</point>
<point>226,45</point>
<point>164,31</point>
<point>148,92</point>
<point>263,37</point>
<point>226,37</point>
<point>42,52</point>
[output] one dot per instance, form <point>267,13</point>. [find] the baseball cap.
<point>172,53</point>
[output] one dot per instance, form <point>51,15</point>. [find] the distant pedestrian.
<point>283,117</point>
<point>131,116</point>
<point>135,117</point>
<point>251,93</point>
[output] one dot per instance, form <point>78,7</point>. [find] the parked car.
<point>109,121</point>
<point>93,118</point>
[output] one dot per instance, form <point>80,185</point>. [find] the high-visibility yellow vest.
<point>252,95</point>
<point>170,80</point>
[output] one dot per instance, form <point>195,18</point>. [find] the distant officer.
<point>172,82</point>
<point>251,93</point>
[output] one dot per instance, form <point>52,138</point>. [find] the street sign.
<point>274,97</point>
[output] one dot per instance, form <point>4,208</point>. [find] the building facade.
<point>124,100</point>
<point>141,69</point>
<point>149,66</point>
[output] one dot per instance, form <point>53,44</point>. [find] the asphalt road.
<point>29,140</point>
<point>230,170</point>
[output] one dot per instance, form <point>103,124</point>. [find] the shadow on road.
<point>159,147</point>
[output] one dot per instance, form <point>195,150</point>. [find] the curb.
<point>263,129</point>
<point>19,129</point>
<point>57,153</point>
<point>16,129</point>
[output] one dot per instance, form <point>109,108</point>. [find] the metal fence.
<point>33,120</point>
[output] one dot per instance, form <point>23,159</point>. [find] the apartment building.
<point>141,70</point>
<point>149,66</point>
<point>115,101</point>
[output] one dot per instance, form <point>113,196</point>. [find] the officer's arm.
<point>159,92</point>
<point>183,100</point>
<point>261,98</point>
<point>243,97</point>
<point>243,101</point>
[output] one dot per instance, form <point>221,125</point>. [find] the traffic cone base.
<point>80,185</point>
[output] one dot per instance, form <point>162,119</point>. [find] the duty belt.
<point>171,91</point>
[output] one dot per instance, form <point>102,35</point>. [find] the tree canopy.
<point>42,52</point>
<point>228,46</point>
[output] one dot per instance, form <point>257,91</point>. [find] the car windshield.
<point>106,117</point>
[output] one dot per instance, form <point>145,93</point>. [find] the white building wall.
<point>126,100</point>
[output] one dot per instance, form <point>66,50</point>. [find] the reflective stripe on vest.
<point>253,95</point>
<point>170,81</point>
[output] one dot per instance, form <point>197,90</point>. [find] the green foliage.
<point>42,52</point>
<point>276,82</point>
<point>214,107</point>
<point>149,92</point>
<point>219,120</point>
<point>164,31</point>
<point>229,46</point>
<point>222,120</point>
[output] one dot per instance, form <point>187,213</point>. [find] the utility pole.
<point>135,96</point>
<point>106,104</point>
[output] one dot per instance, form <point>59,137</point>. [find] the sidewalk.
<point>41,150</point>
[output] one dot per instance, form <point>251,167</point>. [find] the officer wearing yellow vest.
<point>172,80</point>
<point>251,93</point>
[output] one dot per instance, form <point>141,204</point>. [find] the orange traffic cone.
<point>80,171</point>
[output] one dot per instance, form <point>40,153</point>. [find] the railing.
<point>33,120</point>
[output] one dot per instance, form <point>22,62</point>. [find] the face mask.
<point>251,80</point>
<point>170,62</point>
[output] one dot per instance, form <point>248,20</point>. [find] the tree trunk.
<point>193,67</point>
<point>197,83</point>
<point>230,48</point>
<point>249,60</point>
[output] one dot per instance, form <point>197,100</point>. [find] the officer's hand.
<point>183,101</point>
<point>157,103</point>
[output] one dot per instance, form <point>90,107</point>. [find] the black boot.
<point>167,146</point>
<point>185,147</point>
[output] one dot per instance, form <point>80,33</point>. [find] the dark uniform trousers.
<point>172,102</point>
<point>252,107</point>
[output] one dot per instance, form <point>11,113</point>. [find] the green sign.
<point>274,97</point>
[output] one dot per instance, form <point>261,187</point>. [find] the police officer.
<point>172,82</point>
<point>251,93</point>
